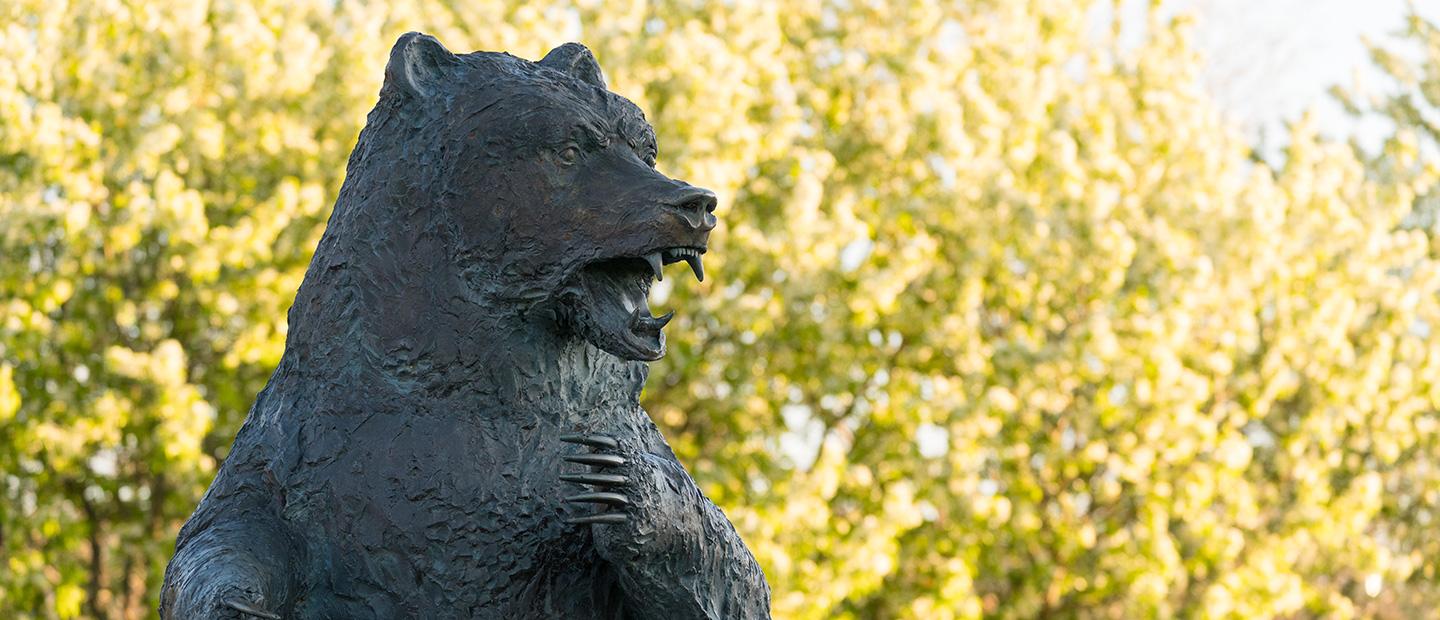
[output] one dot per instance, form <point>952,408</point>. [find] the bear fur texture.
<point>454,430</point>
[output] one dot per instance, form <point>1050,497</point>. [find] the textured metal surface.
<point>454,430</point>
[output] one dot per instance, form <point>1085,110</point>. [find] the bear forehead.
<point>532,97</point>
<point>556,110</point>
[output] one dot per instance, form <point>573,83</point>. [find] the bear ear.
<point>575,60</point>
<point>418,64</point>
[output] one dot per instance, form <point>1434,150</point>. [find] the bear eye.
<point>569,154</point>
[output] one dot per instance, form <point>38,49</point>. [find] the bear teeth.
<point>655,265</point>
<point>696,266</point>
<point>670,255</point>
<point>679,253</point>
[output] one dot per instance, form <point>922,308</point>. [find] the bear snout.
<point>695,206</point>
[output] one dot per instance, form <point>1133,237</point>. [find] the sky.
<point>1269,61</point>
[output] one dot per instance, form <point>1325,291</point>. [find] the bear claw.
<point>601,497</point>
<point>604,496</point>
<point>598,460</point>
<point>606,517</point>
<point>246,609</point>
<point>599,480</point>
<point>594,441</point>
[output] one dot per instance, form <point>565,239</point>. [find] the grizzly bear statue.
<point>454,430</point>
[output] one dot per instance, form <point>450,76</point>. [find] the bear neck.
<point>556,375</point>
<point>532,367</point>
<point>447,356</point>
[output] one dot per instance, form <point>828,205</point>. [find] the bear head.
<point>489,193</point>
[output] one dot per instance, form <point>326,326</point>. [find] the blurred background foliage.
<point>1005,320</point>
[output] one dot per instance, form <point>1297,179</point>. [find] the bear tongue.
<point>631,295</point>
<point>645,331</point>
<point>617,298</point>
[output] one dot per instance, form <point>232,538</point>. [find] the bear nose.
<point>696,206</point>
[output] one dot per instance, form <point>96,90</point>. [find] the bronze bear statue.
<point>454,429</point>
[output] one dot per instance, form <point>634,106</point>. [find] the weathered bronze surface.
<point>454,430</point>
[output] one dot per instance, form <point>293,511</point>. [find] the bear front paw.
<point>648,504</point>
<point>220,603</point>
<point>609,486</point>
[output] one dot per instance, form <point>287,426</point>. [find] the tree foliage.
<point>1004,320</point>
<point>1407,102</point>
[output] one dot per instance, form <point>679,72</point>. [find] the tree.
<point>1407,103</point>
<point>167,168</point>
<point>1003,320</point>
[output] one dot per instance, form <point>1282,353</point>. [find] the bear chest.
<point>445,503</point>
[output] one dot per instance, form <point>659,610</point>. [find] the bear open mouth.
<point>615,312</point>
